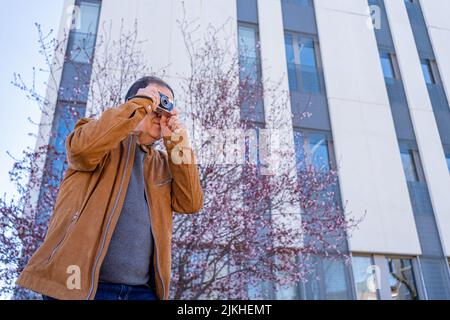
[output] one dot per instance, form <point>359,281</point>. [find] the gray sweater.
<point>128,260</point>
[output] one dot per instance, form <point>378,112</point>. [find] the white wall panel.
<point>370,169</point>
<point>427,135</point>
<point>436,14</point>
<point>276,101</point>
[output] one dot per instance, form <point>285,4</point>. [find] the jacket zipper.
<point>73,221</point>
<point>110,218</point>
<point>156,246</point>
<point>55,249</point>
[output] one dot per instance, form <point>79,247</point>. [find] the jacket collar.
<point>145,148</point>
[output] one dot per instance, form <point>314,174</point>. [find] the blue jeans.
<point>115,291</point>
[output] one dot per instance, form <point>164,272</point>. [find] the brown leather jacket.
<point>100,155</point>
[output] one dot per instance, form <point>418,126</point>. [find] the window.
<point>427,71</point>
<point>290,291</point>
<point>312,148</point>
<point>302,63</point>
<point>335,280</point>
<point>81,47</point>
<point>260,290</point>
<point>66,115</point>
<point>290,58</point>
<point>308,65</point>
<point>364,274</point>
<point>287,292</point>
<point>328,280</point>
<point>82,37</point>
<point>75,82</point>
<point>248,52</point>
<point>88,17</point>
<point>409,165</point>
<point>250,91</point>
<point>401,279</point>
<point>387,65</point>
<point>318,151</point>
<point>253,153</point>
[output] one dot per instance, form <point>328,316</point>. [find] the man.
<point>110,233</point>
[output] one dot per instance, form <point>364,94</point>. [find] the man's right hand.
<point>152,93</point>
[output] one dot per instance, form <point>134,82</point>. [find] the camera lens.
<point>164,101</point>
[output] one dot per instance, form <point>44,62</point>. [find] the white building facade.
<point>376,76</point>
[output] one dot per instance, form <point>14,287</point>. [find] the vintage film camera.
<point>165,105</point>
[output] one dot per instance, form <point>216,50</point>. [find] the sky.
<point>19,53</point>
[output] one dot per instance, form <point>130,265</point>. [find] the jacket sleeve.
<point>187,194</point>
<point>92,139</point>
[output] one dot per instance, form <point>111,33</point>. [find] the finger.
<point>176,126</point>
<point>152,105</point>
<point>153,94</point>
<point>173,120</point>
<point>164,120</point>
<point>155,98</point>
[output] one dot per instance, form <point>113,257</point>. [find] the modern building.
<point>376,77</point>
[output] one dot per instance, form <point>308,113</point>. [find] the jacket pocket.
<point>73,221</point>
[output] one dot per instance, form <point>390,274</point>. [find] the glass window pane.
<point>287,292</point>
<point>252,151</point>
<point>327,279</point>
<point>290,58</point>
<point>299,141</point>
<point>260,290</point>
<point>365,278</point>
<point>66,117</point>
<point>318,151</point>
<point>248,71</point>
<point>75,82</point>
<point>290,291</point>
<point>81,47</point>
<point>88,17</point>
<point>311,148</point>
<point>386,64</point>
<point>247,41</point>
<point>248,57</point>
<point>308,65</point>
<point>314,284</point>
<point>409,165</point>
<point>401,279</point>
<point>307,52</point>
<point>427,72</point>
<point>335,280</point>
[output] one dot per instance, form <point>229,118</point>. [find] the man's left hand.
<point>171,124</point>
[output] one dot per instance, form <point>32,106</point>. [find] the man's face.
<point>151,126</point>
